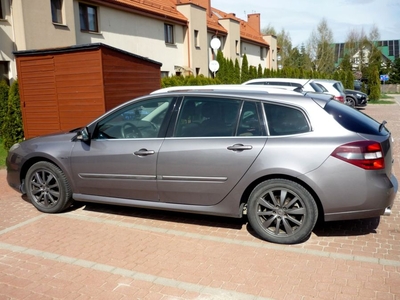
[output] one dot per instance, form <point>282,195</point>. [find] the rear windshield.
<point>354,120</point>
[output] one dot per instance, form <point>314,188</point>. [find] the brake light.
<point>339,98</point>
<point>367,155</point>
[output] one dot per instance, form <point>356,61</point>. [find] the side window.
<point>249,121</point>
<point>56,11</point>
<point>139,120</point>
<point>169,34</point>
<point>284,120</point>
<point>206,117</point>
<point>88,17</point>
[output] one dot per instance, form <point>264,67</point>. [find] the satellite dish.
<point>215,43</point>
<point>214,66</point>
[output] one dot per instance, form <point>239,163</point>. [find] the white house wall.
<point>136,34</point>
<point>253,55</point>
<point>197,58</point>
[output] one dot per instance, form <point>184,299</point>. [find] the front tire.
<point>47,188</point>
<point>282,211</point>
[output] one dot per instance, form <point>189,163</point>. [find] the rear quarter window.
<point>284,120</point>
<point>353,120</point>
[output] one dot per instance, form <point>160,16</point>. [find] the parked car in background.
<point>333,87</point>
<point>356,98</point>
<point>357,85</point>
<point>283,159</point>
<point>306,85</point>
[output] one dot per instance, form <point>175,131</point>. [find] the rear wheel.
<point>350,101</point>
<point>282,211</point>
<point>47,188</point>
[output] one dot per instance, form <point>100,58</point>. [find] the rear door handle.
<point>240,147</point>
<point>144,152</point>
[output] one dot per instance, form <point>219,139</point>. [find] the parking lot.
<point>108,252</point>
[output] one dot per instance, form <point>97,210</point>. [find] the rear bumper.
<point>384,199</point>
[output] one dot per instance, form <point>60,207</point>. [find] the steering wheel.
<point>128,130</point>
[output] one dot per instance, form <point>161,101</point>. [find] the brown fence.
<point>390,88</point>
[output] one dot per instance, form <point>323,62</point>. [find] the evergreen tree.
<point>237,72</point>
<point>12,127</point>
<point>259,71</point>
<point>374,84</point>
<point>349,84</point>
<point>245,75</point>
<point>4,90</point>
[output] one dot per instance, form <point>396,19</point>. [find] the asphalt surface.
<point>109,252</point>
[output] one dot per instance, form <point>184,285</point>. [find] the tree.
<point>245,74</point>
<point>374,84</point>
<point>394,74</point>
<point>4,90</point>
<point>12,128</point>
<point>321,49</point>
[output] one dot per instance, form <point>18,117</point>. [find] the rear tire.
<point>47,188</point>
<point>350,101</point>
<point>282,211</point>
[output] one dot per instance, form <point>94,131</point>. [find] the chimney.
<point>206,4</point>
<point>254,22</point>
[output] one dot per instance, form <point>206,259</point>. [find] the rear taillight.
<point>339,98</point>
<point>364,154</point>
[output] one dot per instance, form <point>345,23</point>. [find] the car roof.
<point>251,91</point>
<point>290,90</point>
<point>295,80</point>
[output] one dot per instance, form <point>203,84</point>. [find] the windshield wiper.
<point>382,125</point>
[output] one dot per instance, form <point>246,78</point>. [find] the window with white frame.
<point>88,17</point>
<point>56,11</point>
<point>169,34</point>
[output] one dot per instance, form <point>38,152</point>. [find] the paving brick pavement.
<point>107,252</point>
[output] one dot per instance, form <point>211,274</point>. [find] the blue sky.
<point>301,17</point>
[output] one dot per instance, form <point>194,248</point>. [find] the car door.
<point>120,160</point>
<point>215,142</point>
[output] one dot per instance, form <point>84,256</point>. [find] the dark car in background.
<point>283,159</point>
<point>356,98</point>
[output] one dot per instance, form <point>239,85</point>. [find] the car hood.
<point>353,92</point>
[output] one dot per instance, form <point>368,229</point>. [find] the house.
<point>176,33</point>
<point>390,50</point>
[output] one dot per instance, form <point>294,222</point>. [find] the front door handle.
<point>144,152</point>
<point>240,147</point>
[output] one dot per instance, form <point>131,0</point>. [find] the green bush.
<point>4,90</point>
<point>12,127</point>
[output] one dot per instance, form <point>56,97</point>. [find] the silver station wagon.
<point>282,158</point>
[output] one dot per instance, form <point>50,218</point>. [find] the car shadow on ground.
<point>167,216</point>
<point>322,229</point>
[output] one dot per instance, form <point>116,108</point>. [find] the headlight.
<point>14,147</point>
<point>359,95</point>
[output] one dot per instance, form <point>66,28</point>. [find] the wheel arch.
<point>250,187</point>
<point>33,160</point>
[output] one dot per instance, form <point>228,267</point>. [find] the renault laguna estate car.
<point>284,160</point>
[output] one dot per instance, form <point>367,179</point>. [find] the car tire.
<point>350,101</point>
<point>282,211</point>
<point>47,188</point>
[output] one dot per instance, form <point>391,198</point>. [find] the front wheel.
<point>47,188</point>
<point>282,211</point>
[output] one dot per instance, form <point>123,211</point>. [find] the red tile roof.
<point>167,9</point>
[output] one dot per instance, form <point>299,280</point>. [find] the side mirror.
<point>83,135</point>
